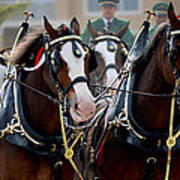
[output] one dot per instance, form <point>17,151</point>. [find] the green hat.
<point>160,9</point>
<point>107,3</point>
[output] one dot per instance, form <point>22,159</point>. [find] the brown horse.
<point>146,142</point>
<point>110,53</point>
<point>47,70</point>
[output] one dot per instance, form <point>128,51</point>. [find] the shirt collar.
<point>106,21</point>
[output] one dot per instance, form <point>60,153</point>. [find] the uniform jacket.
<point>151,31</point>
<point>115,26</point>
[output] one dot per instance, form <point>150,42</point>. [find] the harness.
<point>132,132</point>
<point>96,135</point>
<point>121,120</point>
<point>13,125</point>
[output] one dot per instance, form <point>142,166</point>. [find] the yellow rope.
<point>17,39</point>
<point>171,141</point>
<point>69,153</point>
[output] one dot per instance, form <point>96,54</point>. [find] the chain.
<point>54,100</point>
<point>139,92</point>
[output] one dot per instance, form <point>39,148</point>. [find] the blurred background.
<point>62,11</point>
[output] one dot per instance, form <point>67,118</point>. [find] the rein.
<point>54,100</point>
<point>137,92</point>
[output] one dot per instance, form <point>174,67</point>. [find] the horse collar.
<point>172,51</point>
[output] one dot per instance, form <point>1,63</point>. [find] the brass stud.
<point>53,147</point>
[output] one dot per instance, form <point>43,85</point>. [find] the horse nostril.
<point>76,106</point>
<point>92,112</point>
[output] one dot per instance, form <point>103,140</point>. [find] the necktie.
<point>108,25</point>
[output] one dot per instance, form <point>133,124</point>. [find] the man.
<point>109,22</point>
<point>160,9</point>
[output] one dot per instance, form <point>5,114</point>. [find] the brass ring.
<point>151,159</point>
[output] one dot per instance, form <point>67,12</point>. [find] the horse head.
<point>158,72</point>
<point>171,70</point>
<point>110,52</point>
<point>71,64</point>
<point>66,65</point>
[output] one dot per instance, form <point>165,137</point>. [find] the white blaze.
<point>76,69</point>
<point>109,58</point>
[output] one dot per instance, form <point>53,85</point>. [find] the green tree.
<point>9,10</point>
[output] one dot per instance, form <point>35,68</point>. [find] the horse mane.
<point>27,48</point>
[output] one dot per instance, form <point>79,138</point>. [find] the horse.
<point>47,80</point>
<point>110,52</point>
<point>144,140</point>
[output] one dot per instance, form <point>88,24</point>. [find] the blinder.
<point>76,50</point>
<point>110,46</point>
<point>56,64</point>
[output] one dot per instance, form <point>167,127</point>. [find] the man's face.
<point>161,18</point>
<point>108,12</point>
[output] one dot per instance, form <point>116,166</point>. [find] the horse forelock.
<point>29,44</point>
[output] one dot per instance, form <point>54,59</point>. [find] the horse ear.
<point>91,30</point>
<point>122,31</point>
<point>172,17</point>
<point>75,26</point>
<point>50,30</point>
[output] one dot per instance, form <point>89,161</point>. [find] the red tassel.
<point>38,57</point>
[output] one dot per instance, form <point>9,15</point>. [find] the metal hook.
<point>27,15</point>
<point>149,13</point>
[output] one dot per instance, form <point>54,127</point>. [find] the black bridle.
<point>110,48</point>
<point>54,65</point>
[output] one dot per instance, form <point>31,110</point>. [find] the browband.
<point>62,39</point>
<point>176,32</point>
<point>47,47</point>
<point>103,37</point>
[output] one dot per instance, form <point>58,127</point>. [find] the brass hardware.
<point>11,128</point>
<point>52,62</point>
<point>111,47</point>
<point>59,163</point>
<point>151,159</point>
<point>149,13</point>
<point>69,153</point>
<point>78,52</point>
<point>171,141</point>
<point>92,155</point>
<point>158,142</point>
<point>53,147</point>
<point>27,15</point>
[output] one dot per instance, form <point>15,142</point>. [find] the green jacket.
<point>115,26</point>
<point>151,31</point>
